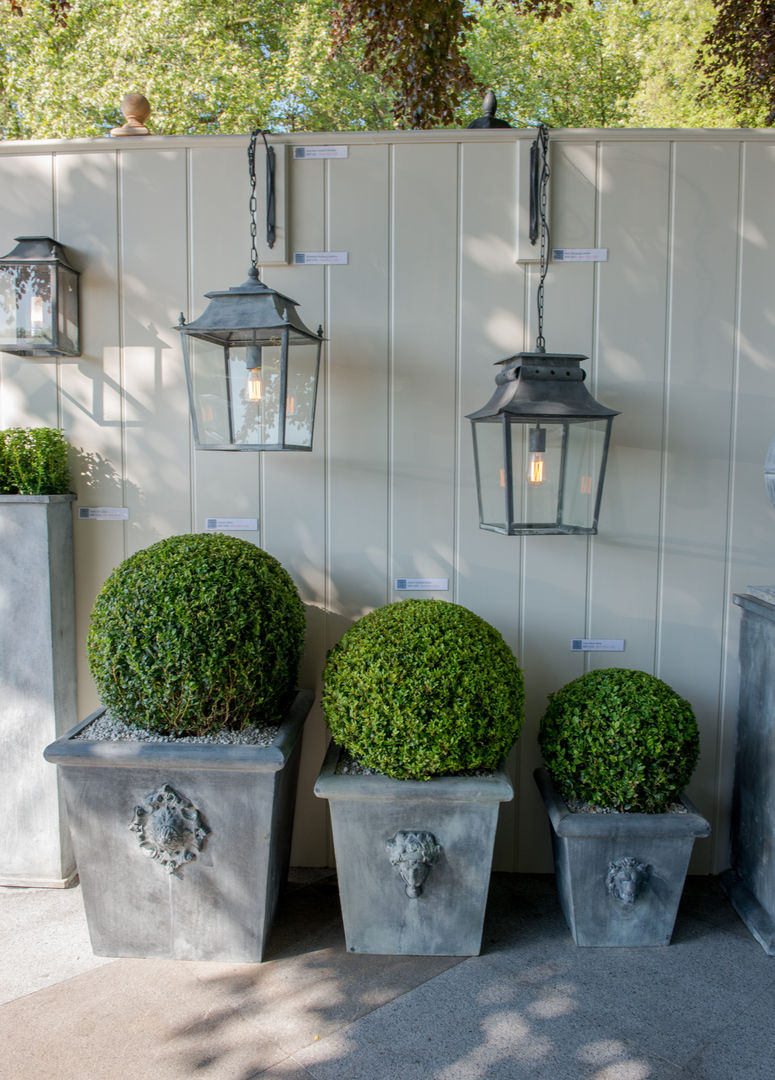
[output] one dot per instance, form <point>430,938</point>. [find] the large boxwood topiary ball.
<point>197,633</point>
<point>620,739</point>
<point>422,688</point>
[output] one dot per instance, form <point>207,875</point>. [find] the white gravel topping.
<point>106,728</point>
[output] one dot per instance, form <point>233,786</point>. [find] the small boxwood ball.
<point>423,688</point>
<point>196,634</point>
<point>620,739</point>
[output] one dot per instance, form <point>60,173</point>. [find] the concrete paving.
<point>533,1005</point>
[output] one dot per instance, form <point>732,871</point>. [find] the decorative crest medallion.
<point>413,854</point>
<point>627,878</point>
<point>169,828</point>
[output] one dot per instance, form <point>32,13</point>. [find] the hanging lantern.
<point>251,363</point>
<point>38,300</point>
<point>541,442</point>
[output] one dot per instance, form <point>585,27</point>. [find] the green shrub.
<point>423,688</point>
<point>195,634</point>
<point>620,739</point>
<point>33,461</point>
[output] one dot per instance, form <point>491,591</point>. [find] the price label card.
<point>403,584</point>
<point>580,255</point>
<point>321,258</point>
<point>597,645</point>
<point>103,513</point>
<point>315,153</point>
<point>214,524</point>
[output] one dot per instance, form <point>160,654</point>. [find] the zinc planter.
<point>413,858</point>
<point>620,876</point>
<point>182,848</point>
<point>37,685</point>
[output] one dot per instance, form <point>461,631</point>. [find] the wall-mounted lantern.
<point>251,363</point>
<point>541,442</point>
<point>38,300</point>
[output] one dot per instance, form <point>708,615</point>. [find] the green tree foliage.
<point>739,61</point>
<point>289,65</point>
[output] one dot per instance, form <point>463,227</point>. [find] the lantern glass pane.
<point>209,398</point>
<point>586,448</point>
<point>67,310</point>
<point>25,305</point>
<point>536,472</point>
<point>255,395</point>
<point>488,456</point>
<point>300,394</point>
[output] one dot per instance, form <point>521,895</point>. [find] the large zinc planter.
<point>37,685</point>
<point>620,876</point>
<point>620,745</point>
<point>425,699</point>
<point>182,848</point>
<point>413,858</point>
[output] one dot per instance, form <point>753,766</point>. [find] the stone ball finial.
<point>136,109</point>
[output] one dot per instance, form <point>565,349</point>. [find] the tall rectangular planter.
<point>37,685</point>
<point>413,858</point>
<point>216,822</point>
<point>620,876</point>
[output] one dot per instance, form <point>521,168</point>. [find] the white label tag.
<point>320,258</point>
<point>214,524</point>
<point>597,645</point>
<point>103,513</point>
<point>580,254</point>
<point>403,584</point>
<point>312,153</point>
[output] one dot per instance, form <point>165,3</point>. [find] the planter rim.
<point>37,498</point>
<point>566,823</point>
<point>758,599</point>
<point>125,754</point>
<point>329,785</point>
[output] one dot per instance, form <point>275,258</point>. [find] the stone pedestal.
<point>750,882</point>
<point>37,685</point>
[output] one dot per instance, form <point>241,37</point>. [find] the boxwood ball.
<point>195,634</point>
<point>620,739</point>
<point>423,688</point>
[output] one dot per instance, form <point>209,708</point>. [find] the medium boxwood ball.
<point>620,739</point>
<point>423,688</point>
<point>197,633</point>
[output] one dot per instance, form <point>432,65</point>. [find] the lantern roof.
<point>37,249</point>
<point>543,386</point>
<point>248,314</point>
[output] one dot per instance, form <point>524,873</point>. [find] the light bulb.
<point>290,406</point>
<point>36,312</point>
<point>255,385</point>
<point>535,457</point>
<point>586,485</point>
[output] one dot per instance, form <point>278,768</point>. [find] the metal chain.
<point>542,143</point>
<point>270,195</point>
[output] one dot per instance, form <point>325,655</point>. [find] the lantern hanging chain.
<point>542,143</point>
<point>270,196</point>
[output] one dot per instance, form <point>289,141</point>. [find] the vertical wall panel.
<point>631,372</point>
<point>29,384</point>
<point>423,335</point>
<point>154,280</point>
<point>699,416</point>
<point>91,398</point>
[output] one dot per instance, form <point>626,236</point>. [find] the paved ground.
<point>533,1005</point>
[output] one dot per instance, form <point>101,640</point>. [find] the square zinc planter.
<point>37,685</point>
<point>413,858</point>
<point>620,876</point>
<point>216,822</point>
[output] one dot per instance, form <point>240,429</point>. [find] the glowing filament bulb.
<point>586,485</point>
<point>255,386</point>
<point>535,457</point>
<point>290,406</point>
<point>36,312</point>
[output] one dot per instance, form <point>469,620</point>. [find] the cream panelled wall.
<point>679,324</point>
